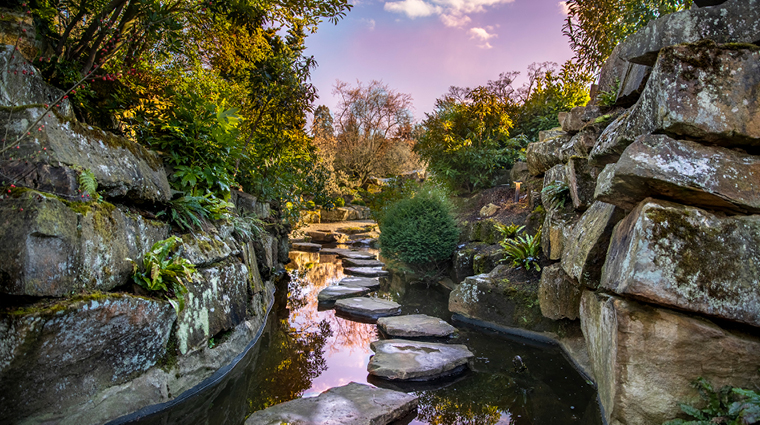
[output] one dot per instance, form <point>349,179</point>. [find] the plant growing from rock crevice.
<point>524,251</point>
<point>727,405</point>
<point>558,192</point>
<point>163,271</point>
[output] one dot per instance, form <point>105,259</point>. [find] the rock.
<point>359,212</point>
<point>463,263</point>
<point>203,249</point>
<point>645,358</point>
<point>519,172</point>
<point>248,204</point>
<point>370,308</point>
<point>589,241</point>
<point>362,263</point>
<point>556,231</point>
<point>555,175</point>
<point>216,301</point>
<point>365,271</point>
<point>357,230</point>
<point>700,91</point>
<point>309,217</point>
<point>558,296</point>
<point>489,210</point>
<point>683,171</point>
<point>733,22</point>
<point>487,259</point>
<point>504,303</point>
<point>543,155</point>
<point>352,404</point>
<point>57,356</point>
<point>54,249</point>
<point>347,253</point>
<point>579,117</point>
<point>335,215</point>
<point>581,182</point>
<point>19,89</point>
<point>327,236</point>
<point>360,282</point>
<point>306,247</point>
<point>687,258</point>
<point>333,293</point>
<point>397,359</point>
<point>415,326</point>
<point>485,230</point>
<point>629,79</point>
<point>561,116</point>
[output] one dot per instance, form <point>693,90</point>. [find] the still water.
<point>304,351</point>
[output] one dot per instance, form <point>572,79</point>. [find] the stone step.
<point>352,404</point>
<point>352,262</point>
<point>370,283</point>
<point>334,293</point>
<point>365,271</point>
<point>397,359</point>
<point>347,253</point>
<point>369,309</point>
<point>415,326</point>
<point>306,247</point>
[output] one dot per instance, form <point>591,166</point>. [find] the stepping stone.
<point>347,253</point>
<point>397,359</point>
<point>333,293</point>
<point>365,271</point>
<point>306,247</point>
<point>362,263</point>
<point>367,308</point>
<point>352,404</point>
<point>415,326</point>
<point>372,284</point>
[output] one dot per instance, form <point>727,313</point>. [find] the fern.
<point>609,97</point>
<point>509,232</point>
<point>727,405</point>
<point>88,184</point>
<point>558,192</point>
<point>524,250</point>
<point>188,211</point>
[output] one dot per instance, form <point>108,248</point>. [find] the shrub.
<point>395,190</point>
<point>310,205</point>
<point>420,232</point>
<point>524,250</point>
<point>339,202</point>
<point>510,231</point>
<point>728,405</point>
<point>188,210</point>
<point>162,271</point>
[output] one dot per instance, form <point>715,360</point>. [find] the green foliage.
<point>609,97</point>
<point>162,271</point>
<point>509,231</point>
<point>247,227</point>
<point>558,192</point>
<point>339,202</point>
<point>188,211</point>
<point>595,27</point>
<point>420,232</point>
<point>728,405</point>
<point>88,184</point>
<point>310,205</point>
<point>358,202</point>
<point>395,190</point>
<point>524,250</point>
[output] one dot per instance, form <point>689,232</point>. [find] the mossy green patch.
<point>49,307</point>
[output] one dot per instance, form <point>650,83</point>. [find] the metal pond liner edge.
<point>207,383</point>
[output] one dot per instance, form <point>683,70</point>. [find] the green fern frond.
<point>88,184</point>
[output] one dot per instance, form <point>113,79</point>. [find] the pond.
<point>304,351</point>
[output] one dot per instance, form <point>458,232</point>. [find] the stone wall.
<point>666,254</point>
<point>79,342</point>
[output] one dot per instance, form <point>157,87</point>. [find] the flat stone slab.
<point>352,404</point>
<point>306,247</point>
<point>333,293</point>
<point>371,308</point>
<point>360,282</point>
<point>414,326</point>
<point>347,253</point>
<point>352,262</point>
<point>365,271</point>
<point>397,359</point>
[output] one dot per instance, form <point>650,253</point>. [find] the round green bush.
<point>419,232</point>
<point>339,202</point>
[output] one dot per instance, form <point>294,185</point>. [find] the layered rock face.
<point>665,250</point>
<point>79,342</point>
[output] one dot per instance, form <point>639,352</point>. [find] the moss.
<point>118,142</point>
<point>48,307</point>
<point>170,358</point>
<point>527,311</point>
<point>14,109</point>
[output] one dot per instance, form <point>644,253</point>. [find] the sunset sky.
<point>422,47</point>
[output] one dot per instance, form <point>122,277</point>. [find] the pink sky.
<point>422,47</point>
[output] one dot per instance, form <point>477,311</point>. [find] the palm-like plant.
<point>524,250</point>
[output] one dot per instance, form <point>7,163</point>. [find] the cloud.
<point>451,11</point>
<point>455,21</point>
<point>412,8</point>
<point>370,23</point>
<point>481,33</point>
<point>485,45</point>
<point>563,8</point>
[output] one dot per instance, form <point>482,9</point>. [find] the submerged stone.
<point>360,282</point>
<point>397,359</point>
<point>365,271</point>
<point>352,404</point>
<point>369,308</point>
<point>333,293</point>
<point>415,326</point>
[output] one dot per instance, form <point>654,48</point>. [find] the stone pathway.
<point>334,293</point>
<point>368,308</point>
<point>365,271</point>
<point>398,359</point>
<point>415,326</point>
<point>362,263</point>
<point>372,284</point>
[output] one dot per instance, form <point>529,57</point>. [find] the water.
<point>304,351</point>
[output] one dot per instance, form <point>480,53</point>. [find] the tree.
<point>374,125</point>
<point>595,27</point>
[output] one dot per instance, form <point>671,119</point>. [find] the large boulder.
<point>335,215</point>
<point>624,79</point>
<point>556,231</point>
<point>578,117</point>
<point>700,91</point>
<point>581,182</point>
<point>645,358</point>
<point>683,171</point>
<point>558,295</point>
<point>553,147</point>
<point>60,355</point>
<point>735,21</point>
<point>589,241</point>
<point>553,176</point>
<point>687,258</point>
<point>54,248</point>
